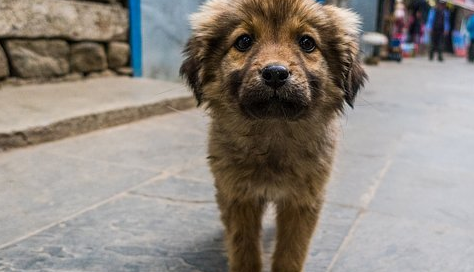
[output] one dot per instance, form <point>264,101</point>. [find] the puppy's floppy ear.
<point>349,74</point>
<point>207,26</point>
<point>191,68</point>
<point>354,81</point>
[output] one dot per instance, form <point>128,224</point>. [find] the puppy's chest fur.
<point>271,159</point>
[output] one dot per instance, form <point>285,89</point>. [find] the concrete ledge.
<point>40,113</point>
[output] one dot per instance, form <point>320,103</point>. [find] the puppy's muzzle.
<point>276,96</point>
<point>263,105</point>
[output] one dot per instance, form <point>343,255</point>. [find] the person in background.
<point>438,25</point>
<point>416,27</point>
<point>470,29</point>
<point>400,20</point>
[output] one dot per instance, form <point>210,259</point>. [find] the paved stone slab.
<point>199,172</point>
<point>155,235</point>
<point>437,195</point>
<point>39,188</point>
<point>441,150</point>
<point>350,181</point>
<point>117,238</point>
<point>179,189</point>
<point>169,143</point>
<point>69,19</point>
<point>334,225</point>
<point>386,243</point>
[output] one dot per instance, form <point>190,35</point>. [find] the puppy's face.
<point>283,59</point>
<point>275,70</point>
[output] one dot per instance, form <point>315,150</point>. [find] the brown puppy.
<point>274,75</point>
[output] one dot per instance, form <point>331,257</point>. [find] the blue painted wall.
<point>165,30</point>
<point>368,9</point>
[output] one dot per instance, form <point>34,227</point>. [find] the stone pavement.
<point>139,197</point>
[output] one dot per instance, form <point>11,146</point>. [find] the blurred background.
<point>44,40</point>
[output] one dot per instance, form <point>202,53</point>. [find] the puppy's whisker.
<point>367,103</point>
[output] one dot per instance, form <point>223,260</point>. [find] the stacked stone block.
<point>50,39</point>
<point>4,69</point>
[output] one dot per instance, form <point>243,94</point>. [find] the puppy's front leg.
<point>295,227</point>
<point>243,220</point>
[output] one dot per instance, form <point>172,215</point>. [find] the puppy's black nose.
<point>275,76</point>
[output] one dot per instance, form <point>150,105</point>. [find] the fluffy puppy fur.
<point>274,76</point>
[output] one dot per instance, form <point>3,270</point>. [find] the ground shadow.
<point>207,255</point>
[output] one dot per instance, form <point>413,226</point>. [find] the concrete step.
<point>35,114</point>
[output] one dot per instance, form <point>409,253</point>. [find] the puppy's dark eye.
<point>307,44</point>
<point>243,43</point>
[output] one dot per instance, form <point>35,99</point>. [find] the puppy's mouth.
<point>289,105</point>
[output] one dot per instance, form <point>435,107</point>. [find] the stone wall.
<point>46,40</point>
